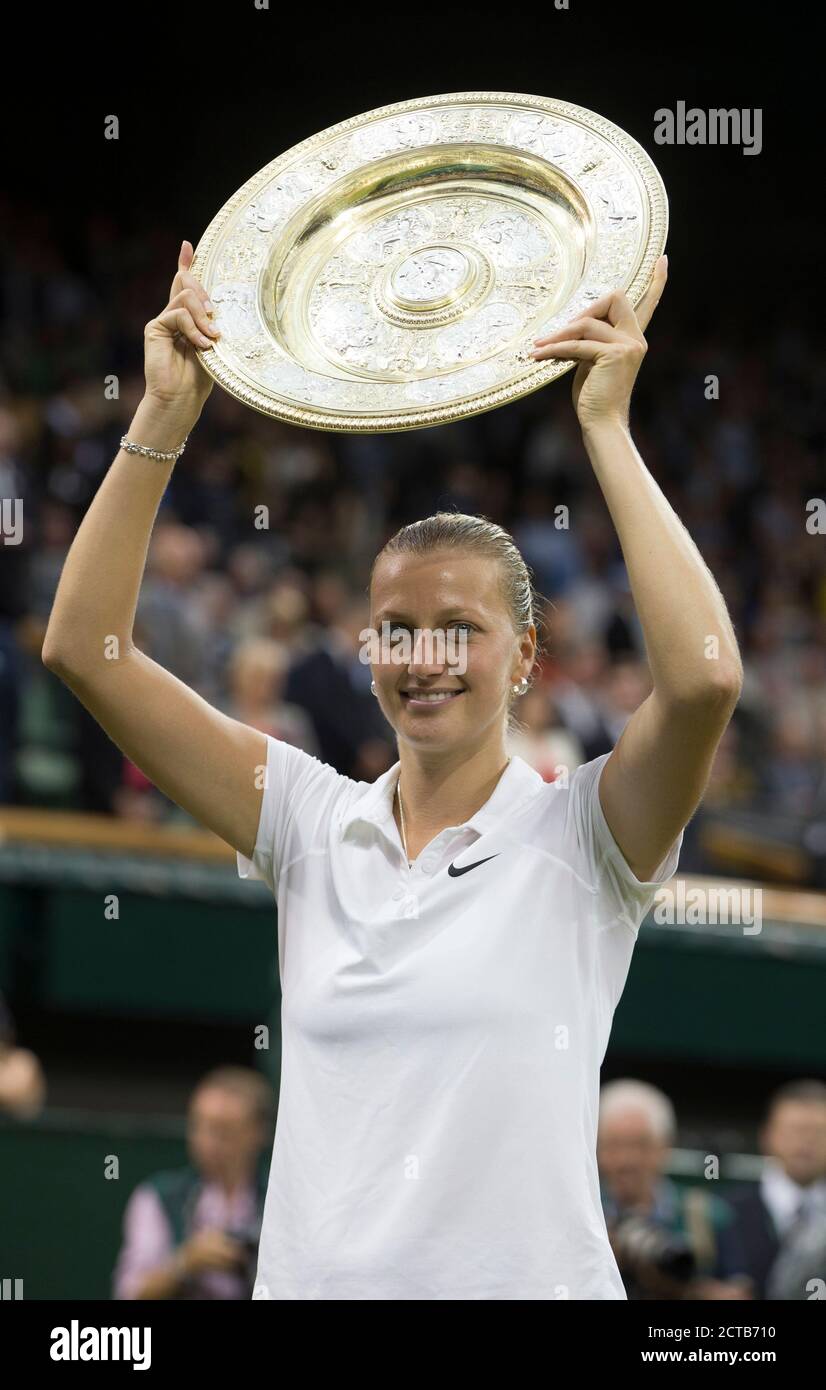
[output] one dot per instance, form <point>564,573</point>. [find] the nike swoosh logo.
<point>454,872</point>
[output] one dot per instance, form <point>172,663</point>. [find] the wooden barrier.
<point>70,829</point>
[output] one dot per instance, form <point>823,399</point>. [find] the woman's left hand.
<point>609,345</point>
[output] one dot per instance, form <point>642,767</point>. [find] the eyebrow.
<point>454,611</point>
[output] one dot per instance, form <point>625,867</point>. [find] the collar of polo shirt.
<point>375,805</point>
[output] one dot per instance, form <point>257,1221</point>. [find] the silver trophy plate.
<point>391,272</point>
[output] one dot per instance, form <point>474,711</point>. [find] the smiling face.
<point>427,701</point>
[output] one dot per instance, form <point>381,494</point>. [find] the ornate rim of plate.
<point>554,205</point>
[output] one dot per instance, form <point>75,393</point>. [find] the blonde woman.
<point>453,938</point>
<point>257,670</point>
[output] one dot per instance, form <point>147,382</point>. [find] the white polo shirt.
<point>442,1036</point>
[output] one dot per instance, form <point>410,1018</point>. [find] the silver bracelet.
<point>152,453</point>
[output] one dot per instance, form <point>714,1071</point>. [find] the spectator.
<point>773,1216</point>
<point>541,739</point>
<point>22,1082</point>
<point>166,608</point>
<point>669,1241</point>
<point>258,669</point>
<point>192,1232</point>
<point>333,686</point>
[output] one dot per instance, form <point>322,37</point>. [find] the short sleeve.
<point>296,785</point>
<point>620,895</point>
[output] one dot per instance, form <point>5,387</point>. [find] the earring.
<point>373,688</point>
<point>521,687</point>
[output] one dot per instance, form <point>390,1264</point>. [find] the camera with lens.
<point>654,1262</point>
<point>247,1237</point>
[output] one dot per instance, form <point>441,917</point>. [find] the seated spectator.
<point>773,1215</point>
<point>192,1232</point>
<point>258,669</point>
<point>574,676</point>
<point>541,739</point>
<point>626,683</point>
<point>332,685</point>
<point>670,1242</point>
<point>166,607</point>
<point>22,1082</point>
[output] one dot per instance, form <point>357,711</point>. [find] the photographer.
<point>192,1232</point>
<point>670,1242</point>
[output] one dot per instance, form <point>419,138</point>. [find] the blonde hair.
<point>480,536</point>
<point>262,653</point>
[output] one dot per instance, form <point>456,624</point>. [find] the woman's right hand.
<point>175,378</point>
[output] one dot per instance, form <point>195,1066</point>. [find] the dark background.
<point>208,94</point>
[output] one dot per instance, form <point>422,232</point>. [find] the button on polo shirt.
<point>442,1036</point>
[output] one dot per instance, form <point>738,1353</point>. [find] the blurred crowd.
<point>192,1232</point>
<point>264,619</point>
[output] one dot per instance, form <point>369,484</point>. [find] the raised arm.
<point>207,763</point>
<point>654,779</point>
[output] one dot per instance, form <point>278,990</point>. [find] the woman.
<point>257,671</point>
<point>453,938</point>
